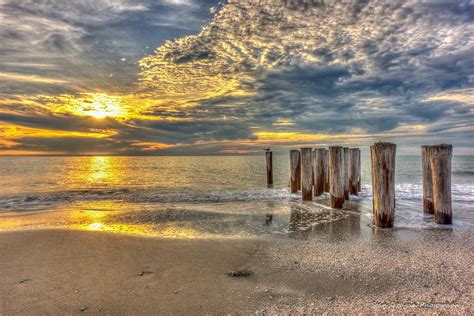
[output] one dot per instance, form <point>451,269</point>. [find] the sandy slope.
<point>59,271</point>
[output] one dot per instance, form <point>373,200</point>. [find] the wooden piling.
<point>294,170</point>
<point>318,171</point>
<point>440,160</point>
<point>269,158</point>
<point>354,171</point>
<point>298,173</point>
<point>346,173</point>
<point>326,170</point>
<point>336,176</point>
<point>427,180</point>
<point>306,173</point>
<point>360,171</point>
<point>383,183</point>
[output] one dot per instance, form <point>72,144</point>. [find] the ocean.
<point>196,197</point>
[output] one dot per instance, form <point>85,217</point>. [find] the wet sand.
<point>336,267</point>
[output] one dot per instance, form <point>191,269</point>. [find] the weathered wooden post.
<point>346,173</point>
<point>440,160</point>
<point>336,176</point>
<point>326,170</point>
<point>318,171</point>
<point>294,170</point>
<point>360,171</point>
<point>269,158</point>
<point>354,171</point>
<point>427,180</point>
<point>383,183</point>
<point>306,174</point>
<point>298,173</point>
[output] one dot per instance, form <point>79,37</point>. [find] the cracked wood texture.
<point>440,161</point>
<point>319,173</point>
<point>307,173</point>
<point>354,171</point>
<point>427,180</point>
<point>336,176</point>
<point>326,170</point>
<point>294,170</point>
<point>383,183</point>
<point>346,173</point>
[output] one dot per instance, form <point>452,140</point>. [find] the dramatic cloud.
<point>260,72</point>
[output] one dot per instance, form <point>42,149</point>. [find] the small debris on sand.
<point>25,280</point>
<point>239,273</point>
<point>83,309</point>
<point>144,272</point>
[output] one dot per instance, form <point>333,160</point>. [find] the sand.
<point>329,269</point>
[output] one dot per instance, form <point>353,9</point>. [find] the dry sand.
<point>330,269</point>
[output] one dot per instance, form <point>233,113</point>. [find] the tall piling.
<point>383,183</point>
<point>336,176</point>
<point>427,180</point>
<point>306,174</point>
<point>269,159</point>
<point>346,173</point>
<point>319,174</point>
<point>298,174</point>
<point>326,170</point>
<point>440,160</point>
<point>294,170</point>
<point>354,171</point>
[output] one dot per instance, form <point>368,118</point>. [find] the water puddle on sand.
<point>182,220</point>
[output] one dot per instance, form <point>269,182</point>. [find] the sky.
<point>201,77</point>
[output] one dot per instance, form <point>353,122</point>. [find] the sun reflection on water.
<point>102,169</point>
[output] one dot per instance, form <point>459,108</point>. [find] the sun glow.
<point>97,105</point>
<point>101,106</point>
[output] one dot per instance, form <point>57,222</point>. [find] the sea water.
<point>193,197</point>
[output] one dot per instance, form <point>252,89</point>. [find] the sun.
<point>100,106</point>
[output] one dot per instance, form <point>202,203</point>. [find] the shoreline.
<point>64,271</point>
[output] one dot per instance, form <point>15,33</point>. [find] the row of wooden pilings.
<point>337,171</point>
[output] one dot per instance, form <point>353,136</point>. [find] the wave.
<point>39,201</point>
<point>49,200</point>
<point>410,191</point>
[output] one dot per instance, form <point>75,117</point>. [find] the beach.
<point>65,271</point>
<point>143,235</point>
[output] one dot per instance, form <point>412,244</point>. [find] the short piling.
<point>336,176</point>
<point>427,180</point>
<point>294,170</point>
<point>354,171</point>
<point>306,174</point>
<point>383,183</point>
<point>269,158</point>
<point>319,174</point>
<point>346,173</point>
<point>359,187</point>
<point>440,160</point>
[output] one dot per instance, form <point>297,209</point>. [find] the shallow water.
<point>195,197</point>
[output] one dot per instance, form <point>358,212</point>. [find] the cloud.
<point>93,44</point>
<point>267,72</point>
